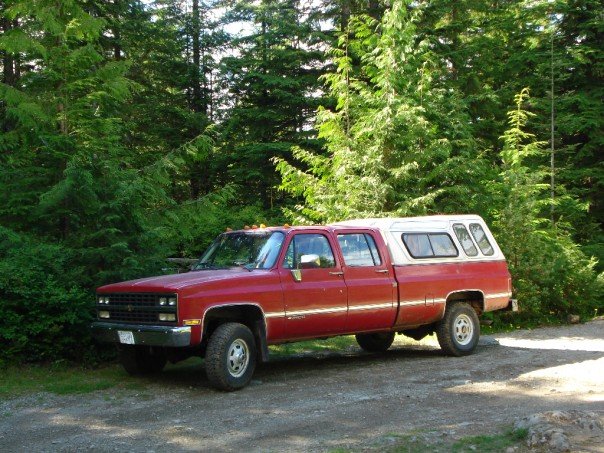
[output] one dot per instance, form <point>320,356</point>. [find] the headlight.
<point>163,301</point>
<point>172,301</point>
<point>101,300</point>
<point>167,317</point>
<point>104,314</point>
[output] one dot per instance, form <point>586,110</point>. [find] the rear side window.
<point>481,239</point>
<point>429,245</point>
<point>359,250</point>
<point>465,240</point>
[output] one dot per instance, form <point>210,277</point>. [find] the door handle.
<point>336,273</point>
<point>381,271</point>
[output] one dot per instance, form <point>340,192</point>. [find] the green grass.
<point>427,441</point>
<point>63,379</point>
<point>490,444</point>
<point>345,343</point>
<point>333,344</point>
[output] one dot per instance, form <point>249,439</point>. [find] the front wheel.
<point>459,330</point>
<point>375,342</point>
<point>231,356</point>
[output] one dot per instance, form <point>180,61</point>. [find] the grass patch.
<point>490,444</point>
<point>340,344</point>
<point>61,379</point>
<point>429,441</point>
<point>328,345</point>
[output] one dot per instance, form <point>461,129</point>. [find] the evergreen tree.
<point>398,142</point>
<point>68,190</point>
<point>551,275</point>
<point>273,91</point>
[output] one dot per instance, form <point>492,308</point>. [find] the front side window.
<point>308,251</point>
<point>252,250</point>
<point>429,245</point>
<point>481,239</point>
<point>359,250</point>
<point>465,240</point>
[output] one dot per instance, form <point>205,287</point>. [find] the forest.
<point>132,131</point>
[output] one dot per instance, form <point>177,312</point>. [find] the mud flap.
<point>513,305</point>
<point>261,344</point>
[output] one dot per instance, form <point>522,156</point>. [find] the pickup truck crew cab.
<point>255,287</point>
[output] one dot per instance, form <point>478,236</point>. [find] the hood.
<point>177,281</point>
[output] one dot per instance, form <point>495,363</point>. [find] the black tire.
<point>375,342</point>
<point>231,356</point>
<point>138,360</point>
<point>459,330</point>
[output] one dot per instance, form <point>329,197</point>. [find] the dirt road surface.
<point>321,402</point>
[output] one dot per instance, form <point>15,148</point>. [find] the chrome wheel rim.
<point>463,329</point>
<point>238,358</point>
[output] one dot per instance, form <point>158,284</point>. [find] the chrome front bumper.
<point>107,332</point>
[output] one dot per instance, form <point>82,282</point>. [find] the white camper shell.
<point>435,239</point>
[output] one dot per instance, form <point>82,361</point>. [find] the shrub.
<point>44,313</point>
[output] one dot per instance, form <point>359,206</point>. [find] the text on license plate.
<point>126,337</point>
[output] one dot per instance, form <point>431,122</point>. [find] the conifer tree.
<point>397,142</point>
<point>273,90</point>
<point>551,274</point>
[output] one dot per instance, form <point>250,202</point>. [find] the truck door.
<point>371,287</point>
<point>314,291</point>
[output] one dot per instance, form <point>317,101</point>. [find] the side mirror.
<point>310,261</point>
<point>297,275</point>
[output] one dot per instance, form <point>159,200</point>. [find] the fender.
<point>444,301</point>
<point>258,326</point>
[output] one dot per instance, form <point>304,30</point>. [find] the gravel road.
<point>321,402</point>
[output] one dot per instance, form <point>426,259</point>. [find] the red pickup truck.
<point>255,287</point>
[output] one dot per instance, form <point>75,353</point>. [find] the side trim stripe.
<point>370,307</point>
<point>275,314</point>
<point>404,303</point>
<point>497,295</point>
<point>317,311</point>
<point>281,314</point>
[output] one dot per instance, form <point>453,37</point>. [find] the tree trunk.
<point>8,73</point>
<point>196,103</point>
<point>344,15</point>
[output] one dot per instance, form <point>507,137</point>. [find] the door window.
<point>308,251</point>
<point>359,250</point>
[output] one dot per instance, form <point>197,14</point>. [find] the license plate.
<point>126,337</point>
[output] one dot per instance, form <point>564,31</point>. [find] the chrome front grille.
<point>136,308</point>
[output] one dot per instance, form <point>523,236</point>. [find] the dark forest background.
<point>132,131</point>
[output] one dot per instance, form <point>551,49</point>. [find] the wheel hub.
<point>464,329</point>
<point>238,358</point>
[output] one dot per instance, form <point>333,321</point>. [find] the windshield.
<point>252,250</point>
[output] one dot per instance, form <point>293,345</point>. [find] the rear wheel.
<point>231,356</point>
<point>138,360</point>
<point>459,330</point>
<point>375,342</point>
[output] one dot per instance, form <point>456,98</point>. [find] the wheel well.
<point>473,297</point>
<point>248,315</point>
